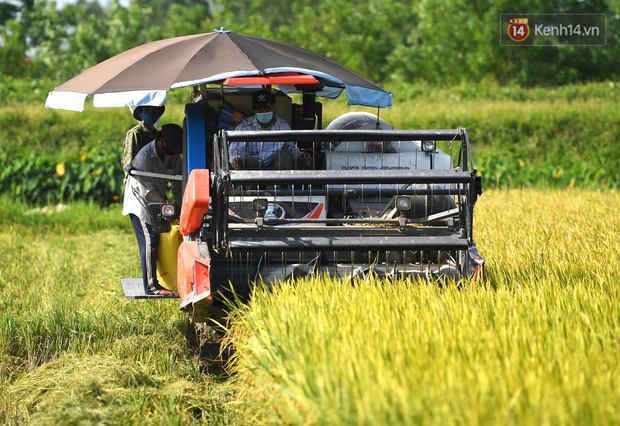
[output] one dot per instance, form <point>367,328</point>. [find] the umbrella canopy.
<point>143,75</point>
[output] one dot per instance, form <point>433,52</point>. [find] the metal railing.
<point>458,183</point>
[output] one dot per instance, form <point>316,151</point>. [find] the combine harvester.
<point>395,203</point>
<point>377,200</point>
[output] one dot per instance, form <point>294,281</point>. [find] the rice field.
<point>535,343</point>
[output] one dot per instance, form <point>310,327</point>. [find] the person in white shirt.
<point>161,155</point>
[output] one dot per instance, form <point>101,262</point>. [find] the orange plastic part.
<point>202,275</point>
<point>193,271</point>
<point>188,251</point>
<point>281,78</point>
<point>195,201</point>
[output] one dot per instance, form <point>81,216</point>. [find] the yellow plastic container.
<point>167,257</point>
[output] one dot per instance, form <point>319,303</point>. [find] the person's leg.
<point>283,160</point>
<point>147,242</point>
<point>249,163</point>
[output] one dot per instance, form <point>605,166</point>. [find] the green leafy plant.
<point>96,176</point>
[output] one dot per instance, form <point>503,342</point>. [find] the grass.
<point>536,343</point>
<point>72,348</point>
<point>60,134</point>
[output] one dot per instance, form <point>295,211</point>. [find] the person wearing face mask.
<point>161,155</point>
<point>141,134</point>
<point>256,155</point>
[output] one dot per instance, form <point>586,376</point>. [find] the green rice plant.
<point>534,343</point>
<point>490,91</point>
<point>79,217</point>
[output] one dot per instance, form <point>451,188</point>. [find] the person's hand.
<point>234,164</point>
<point>306,157</point>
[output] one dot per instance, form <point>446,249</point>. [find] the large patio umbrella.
<point>143,75</point>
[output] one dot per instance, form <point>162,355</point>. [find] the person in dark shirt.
<point>142,133</point>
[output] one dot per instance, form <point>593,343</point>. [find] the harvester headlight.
<point>403,203</point>
<point>167,210</point>
<point>429,146</point>
<point>259,205</point>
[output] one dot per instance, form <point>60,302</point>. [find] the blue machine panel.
<point>196,136</point>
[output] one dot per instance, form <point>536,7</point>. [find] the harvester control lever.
<point>260,205</point>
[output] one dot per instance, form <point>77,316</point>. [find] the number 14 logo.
<point>518,29</point>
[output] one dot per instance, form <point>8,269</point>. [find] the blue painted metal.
<point>196,136</point>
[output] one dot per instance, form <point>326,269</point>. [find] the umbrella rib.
<point>233,46</point>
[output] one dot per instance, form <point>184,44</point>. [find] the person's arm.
<point>148,190</point>
<point>236,151</point>
<point>130,149</point>
<point>292,146</point>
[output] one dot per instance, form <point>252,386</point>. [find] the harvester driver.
<point>257,155</point>
<point>161,155</point>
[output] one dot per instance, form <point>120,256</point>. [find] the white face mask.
<point>264,117</point>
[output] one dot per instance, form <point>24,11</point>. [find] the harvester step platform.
<point>134,289</point>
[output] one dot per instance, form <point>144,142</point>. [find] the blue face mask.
<point>150,117</point>
<point>264,117</point>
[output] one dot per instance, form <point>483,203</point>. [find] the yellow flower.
<point>83,157</point>
<point>521,163</point>
<point>60,169</point>
<point>95,172</point>
<point>572,183</point>
<point>558,174</point>
<point>116,198</point>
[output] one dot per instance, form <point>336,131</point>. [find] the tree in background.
<point>13,59</point>
<point>13,49</point>
<point>8,11</point>
<point>441,42</point>
<point>64,42</point>
<point>359,35</point>
<point>457,41</point>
